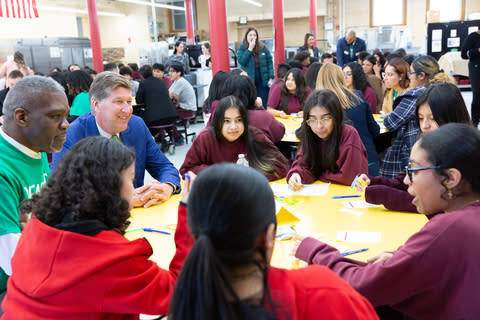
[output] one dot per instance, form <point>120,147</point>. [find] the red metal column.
<point>217,19</point>
<point>278,33</point>
<point>313,19</point>
<point>189,21</point>
<point>95,36</point>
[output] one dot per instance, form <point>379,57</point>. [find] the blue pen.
<point>353,251</point>
<point>157,231</point>
<point>187,176</point>
<point>344,197</point>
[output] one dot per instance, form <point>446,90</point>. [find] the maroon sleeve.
<point>213,107</point>
<point>198,157</point>
<point>352,159</point>
<point>274,97</point>
<point>168,82</point>
<point>391,198</point>
<point>277,129</point>
<point>396,182</point>
<point>300,167</point>
<point>371,98</point>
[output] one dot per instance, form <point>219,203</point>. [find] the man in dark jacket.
<point>348,48</point>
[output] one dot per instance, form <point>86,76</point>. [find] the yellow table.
<point>318,215</point>
<point>291,124</point>
<point>379,119</point>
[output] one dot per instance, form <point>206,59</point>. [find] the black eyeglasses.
<point>410,170</point>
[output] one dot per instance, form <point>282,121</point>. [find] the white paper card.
<point>437,46</point>
<point>359,204</point>
<point>359,236</point>
<point>472,29</point>
<point>437,34</point>
<point>453,42</point>
<point>308,190</point>
<point>350,211</point>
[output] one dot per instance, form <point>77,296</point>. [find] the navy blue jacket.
<point>137,136</point>
<point>316,52</point>
<point>343,51</point>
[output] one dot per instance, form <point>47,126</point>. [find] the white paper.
<point>437,34</point>
<point>308,190</point>
<point>472,29</point>
<point>437,46</point>
<point>359,204</point>
<point>350,211</point>
<point>453,42</point>
<point>359,236</point>
<point>453,33</point>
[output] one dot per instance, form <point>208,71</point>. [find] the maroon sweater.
<point>260,119</point>
<point>371,98</point>
<point>434,275</point>
<point>352,159</point>
<point>392,193</point>
<point>206,151</point>
<point>294,106</point>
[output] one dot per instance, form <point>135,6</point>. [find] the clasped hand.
<point>152,193</point>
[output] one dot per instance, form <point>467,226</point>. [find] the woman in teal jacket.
<point>257,61</point>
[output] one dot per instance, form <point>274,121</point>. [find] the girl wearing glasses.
<point>330,150</point>
<point>227,274</point>
<point>228,137</point>
<point>356,109</point>
<point>435,274</point>
<point>290,97</point>
<point>442,103</point>
<point>423,72</point>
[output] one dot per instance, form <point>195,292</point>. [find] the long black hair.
<point>300,91</point>
<point>261,155</point>
<point>91,172</point>
<point>316,160</point>
<point>243,88</point>
<point>226,219</point>
<point>311,75</point>
<point>215,92</point>
<point>359,79</point>
<point>446,103</point>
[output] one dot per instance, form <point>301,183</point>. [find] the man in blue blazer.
<point>111,117</point>
<point>348,48</point>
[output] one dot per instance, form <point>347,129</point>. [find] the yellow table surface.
<point>318,215</point>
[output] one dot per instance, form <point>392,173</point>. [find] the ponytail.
<point>441,76</point>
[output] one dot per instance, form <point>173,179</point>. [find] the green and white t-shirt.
<point>22,173</point>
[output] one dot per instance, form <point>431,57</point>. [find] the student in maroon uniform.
<point>330,150</point>
<point>227,275</point>
<point>227,137</point>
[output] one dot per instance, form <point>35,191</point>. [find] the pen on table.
<point>149,230</point>
<point>353,251</point>
<point>344,197</point>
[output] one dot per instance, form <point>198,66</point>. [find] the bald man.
<point>35,122</point>
<point>349,47</point>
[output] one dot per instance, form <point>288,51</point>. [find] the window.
<point>450,10</point>
<point>178,16</point>
<point>388,13</point>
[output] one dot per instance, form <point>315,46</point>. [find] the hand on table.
<point>295,182</point>
<point>187,186</point>
<point>366,181</point>
<point>282,114</point>
<point>298,239</point>
<point>152,193</point>
<point>381,257</point>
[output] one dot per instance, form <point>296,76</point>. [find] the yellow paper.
<point>285,217</point>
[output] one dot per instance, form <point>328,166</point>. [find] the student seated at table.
<point>230,135</point>
<point>227,275</point>
<point>182,92</point>
<point>244,89</point>
<point>442,103</point>
<point>289,98</point>
<point>330,150</point>
<point>356,109</point>
<point>435,274</point>
<point>72,261</point>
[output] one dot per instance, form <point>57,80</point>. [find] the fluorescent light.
<point>158,5</point>
<point>73,10</point>
<point>255,3</point>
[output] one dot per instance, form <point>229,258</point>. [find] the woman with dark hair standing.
<point>396,82</point>
<point>442,103</point>
<point>423,72</point>
<point>471,51</point>
<point>290,97</point>
<point>227,275</point>
<point>257,61</point>
<point>78,83</point>
<point>434,275</point>
<point>18,63</point>
<point>330,150</point>
<point>179,56</point>
<point>309,45</point>
<point>230,136</point>
<point>355,79</point>
<point>73,261</point>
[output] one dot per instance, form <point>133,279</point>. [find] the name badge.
<point>346,52</point>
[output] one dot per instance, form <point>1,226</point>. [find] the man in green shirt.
<point>35,112</point>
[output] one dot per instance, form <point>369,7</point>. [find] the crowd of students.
<point>225,238</point>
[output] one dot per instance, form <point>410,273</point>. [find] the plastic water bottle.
<point>242,160</point>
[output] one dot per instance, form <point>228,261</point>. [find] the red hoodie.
<point>64,275</point>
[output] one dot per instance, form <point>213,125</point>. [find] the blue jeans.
<point>262,91</point>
